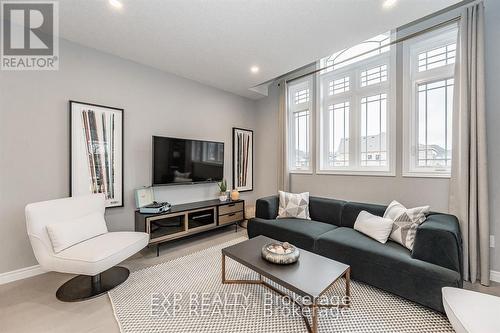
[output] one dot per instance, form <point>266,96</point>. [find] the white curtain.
<point>283,173</point>
<point>469,183</point>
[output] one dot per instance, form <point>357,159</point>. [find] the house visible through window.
<point>374,130</point>
<point>435,102</point>
<point>338,141</point>
<point>350,104</point>
<point>354,109</point>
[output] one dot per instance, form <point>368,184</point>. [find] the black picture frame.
<point>249,186</point>
<point>73,190</point>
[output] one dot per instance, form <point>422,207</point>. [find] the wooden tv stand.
<point>188,219</point>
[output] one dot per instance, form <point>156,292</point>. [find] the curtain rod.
<point>396,41</point>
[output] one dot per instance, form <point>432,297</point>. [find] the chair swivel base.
<point>83,287</point>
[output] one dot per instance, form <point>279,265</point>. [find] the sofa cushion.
<point>387,266</point>
<point>326,210</point>
<point>352,209</point>
<point>298,232</point>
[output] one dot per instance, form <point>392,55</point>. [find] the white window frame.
<point>354,96</point>
<point>412,78</point>
<point>305,83</point>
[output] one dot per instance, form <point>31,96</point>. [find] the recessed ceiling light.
<point>116,4</point>
<point>254,69</point>
<point>389,4</point>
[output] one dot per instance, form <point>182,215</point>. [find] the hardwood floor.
<point>30,305</point>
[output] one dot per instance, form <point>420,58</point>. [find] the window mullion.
<point>355,129</point>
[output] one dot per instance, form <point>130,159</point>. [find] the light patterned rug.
<point>186,295</point>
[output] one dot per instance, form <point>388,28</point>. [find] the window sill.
<point>371,173</point>
<point>426,174</point>
<point>301,172</point>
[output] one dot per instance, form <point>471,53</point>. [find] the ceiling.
<point>216,42</point>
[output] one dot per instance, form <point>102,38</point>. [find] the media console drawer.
<point>231,208</point>
<point>230,218</point>
<point>187,219</point>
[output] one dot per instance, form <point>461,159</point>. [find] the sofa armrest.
<point>438,241</point>
<point>267,208</point>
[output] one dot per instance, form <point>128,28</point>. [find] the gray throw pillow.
<point>294,205</point>
<point>406,222</point>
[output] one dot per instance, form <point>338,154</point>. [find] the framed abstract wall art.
<point>242,159</point>
<point>96,151</point>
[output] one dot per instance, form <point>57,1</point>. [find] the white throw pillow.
<point>373,226</point>
<point>406,222</point>
<point>294,205</point>
<point>66,234</point>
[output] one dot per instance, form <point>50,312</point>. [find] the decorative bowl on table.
<point>280,253</point>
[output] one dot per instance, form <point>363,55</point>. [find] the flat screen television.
<point>182,161</point>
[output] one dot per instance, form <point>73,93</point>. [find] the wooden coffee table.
<point>310,277</point>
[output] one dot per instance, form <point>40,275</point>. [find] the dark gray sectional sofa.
<point>418,275</point>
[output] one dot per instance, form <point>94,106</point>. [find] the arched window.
<point>355,110</point>
<point>357,53</point>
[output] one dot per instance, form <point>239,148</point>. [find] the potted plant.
<point>223,189</point>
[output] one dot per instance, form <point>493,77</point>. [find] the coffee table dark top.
<point>310,276</point>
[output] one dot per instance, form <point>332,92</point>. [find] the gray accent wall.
<point>34,133</point>
<point>492,41</point>
<point>410,191</point>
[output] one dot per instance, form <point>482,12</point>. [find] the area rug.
<point>186,295</point>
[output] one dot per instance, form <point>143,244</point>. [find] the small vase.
<point>235,195</point>
<point>223,196</point>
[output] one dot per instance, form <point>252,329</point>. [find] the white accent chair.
<point>93,259</point>
<point>470,311</point>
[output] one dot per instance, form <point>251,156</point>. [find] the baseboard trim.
<point>20,274</point>
<point>495,276</point>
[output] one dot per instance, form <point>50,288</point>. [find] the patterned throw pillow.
<point>406,222</point>
<point>294,205</point>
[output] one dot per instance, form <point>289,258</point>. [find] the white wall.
<point>34,133</point>
<point>410,191</point>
